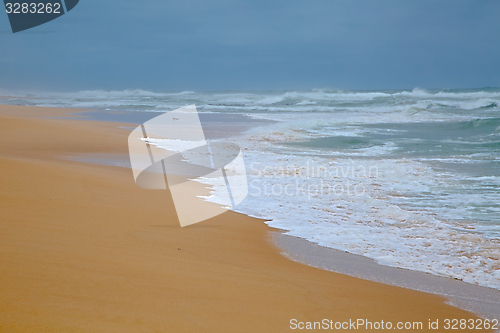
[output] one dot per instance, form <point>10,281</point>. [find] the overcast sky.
<point>257,45</point>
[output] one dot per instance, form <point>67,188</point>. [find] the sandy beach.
<point>83,249</point>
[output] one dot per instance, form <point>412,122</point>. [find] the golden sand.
<point>83,249</point>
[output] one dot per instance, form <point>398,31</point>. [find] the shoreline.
<point>149,274</point>
<point>481,300</point>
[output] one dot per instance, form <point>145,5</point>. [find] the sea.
<point>409,178</point>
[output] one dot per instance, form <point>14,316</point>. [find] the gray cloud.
<point>223,44</point>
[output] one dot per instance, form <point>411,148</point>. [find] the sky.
<point>212,45</point>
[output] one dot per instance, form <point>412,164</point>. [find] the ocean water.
<point>410,178</point>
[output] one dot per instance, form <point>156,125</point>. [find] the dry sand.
<point>83,249</point>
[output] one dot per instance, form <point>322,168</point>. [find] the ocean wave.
<point>317,100</point>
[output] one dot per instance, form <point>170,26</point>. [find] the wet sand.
<point>483,301</point>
